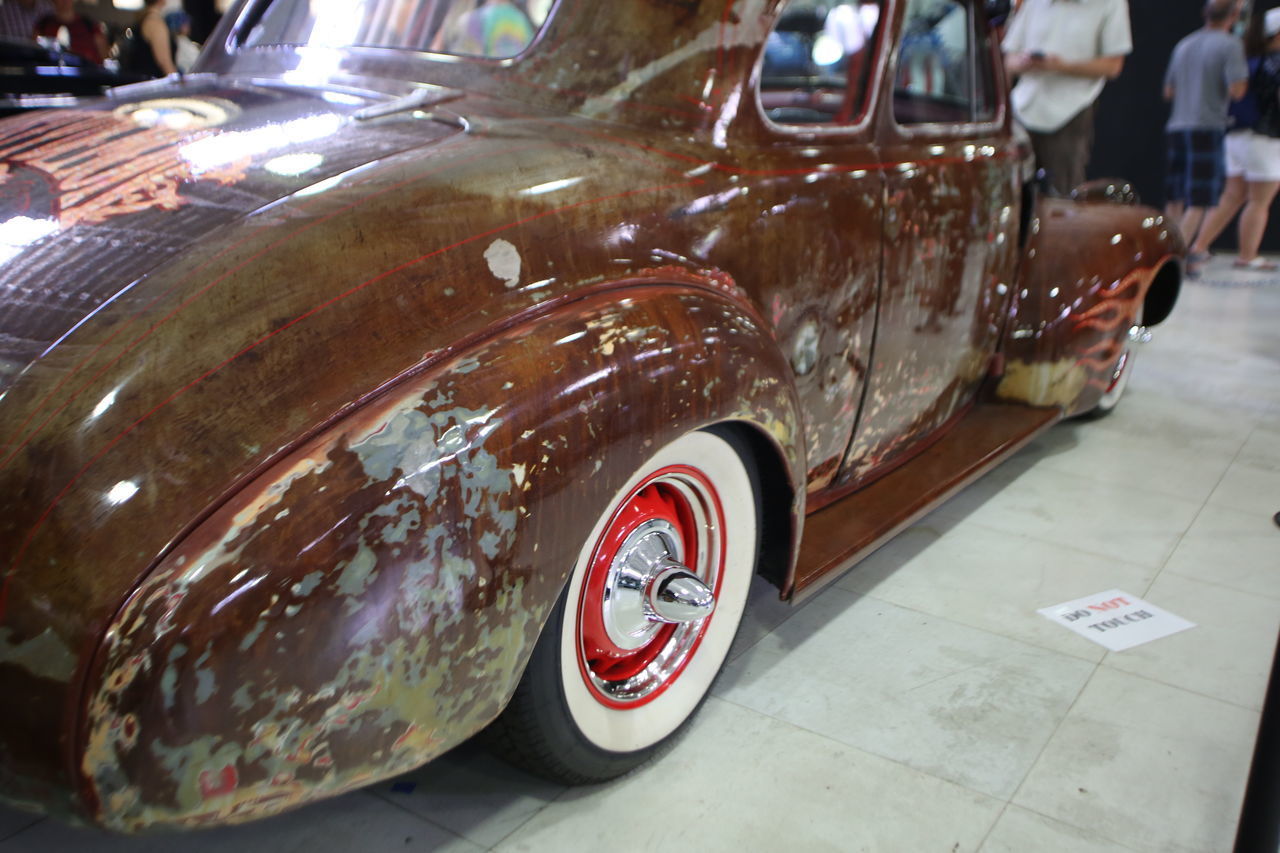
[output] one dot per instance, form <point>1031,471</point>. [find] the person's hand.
<point>1047,62</point>
<point>1017,63</point>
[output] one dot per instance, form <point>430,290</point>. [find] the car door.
<point>815,179</point>
<point>949,234</point>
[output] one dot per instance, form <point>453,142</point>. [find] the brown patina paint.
<point>224,593</point>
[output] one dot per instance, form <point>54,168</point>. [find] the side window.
<point>819,61</point>
<point>945,69</point>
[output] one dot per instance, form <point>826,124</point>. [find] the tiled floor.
<point>921,704</point>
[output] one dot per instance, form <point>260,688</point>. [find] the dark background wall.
<point>1132,113</point>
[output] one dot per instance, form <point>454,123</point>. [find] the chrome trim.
<point>676,595</point>
<point>651,550</point>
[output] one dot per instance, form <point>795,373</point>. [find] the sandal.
<point>1258,264</point>
<point>1196,262</point>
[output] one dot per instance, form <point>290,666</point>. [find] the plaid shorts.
<point>1196,167</point>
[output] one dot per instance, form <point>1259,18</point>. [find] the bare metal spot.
<point>46,655</point>
<point>504,262</point>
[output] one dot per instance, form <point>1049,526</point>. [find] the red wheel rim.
<point>681,505</point>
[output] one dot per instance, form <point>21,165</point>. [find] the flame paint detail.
<point>1110,318</point>
<point>100,165</point>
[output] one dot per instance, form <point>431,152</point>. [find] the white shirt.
<point>1075,30</point>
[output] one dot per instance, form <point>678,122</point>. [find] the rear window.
<point>494,29</point>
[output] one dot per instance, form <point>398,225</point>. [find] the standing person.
<point>18,17</point>
<point>1252,152</point>
<point>1063,52</point>
<point>1207,71</point>
<point>185,51</point>
<point>88,37</point>
<point>152,50</point>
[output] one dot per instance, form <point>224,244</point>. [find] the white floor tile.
<point>765,612</point>
<point>1226,656</point>
<point>1239,550</point>
<point>1249,489</point>
<point>1262,450</point>
<point>1140,459</point>
<point>1108,519</point>
<point>1146,765</point>
<point>1148,412</point>
<point>950,700</point>
<point>472,793</point>
<point>1022,831</point>
<point>1218,350</point>
<point>1250,385</point>
<point>992,580</point>
<point>354,822</point>
<point>740,781</point>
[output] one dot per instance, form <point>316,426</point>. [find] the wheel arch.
<point>1073,309</point>
<point>294,644</point>
<point>779,531</point>
<point>1163,293</point>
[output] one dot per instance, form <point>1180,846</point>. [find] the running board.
<point>838,536</point>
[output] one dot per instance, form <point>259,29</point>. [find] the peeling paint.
<point>1057,383</point>
<point>45,655</point>
<point>504,262</point>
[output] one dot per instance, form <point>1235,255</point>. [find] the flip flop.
<point>1258,264</point>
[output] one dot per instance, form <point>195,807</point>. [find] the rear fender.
<point>1087,269</point>
<point>372,598</point>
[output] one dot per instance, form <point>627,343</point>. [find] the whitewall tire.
<point>613,679</point>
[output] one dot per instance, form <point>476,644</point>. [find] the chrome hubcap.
<point>678,595</point>
<point>649,586</point>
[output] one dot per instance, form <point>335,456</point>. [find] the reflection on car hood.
<point>92,199</point>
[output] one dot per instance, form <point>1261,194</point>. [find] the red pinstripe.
<point>210,286</point>
<point>48,510</point>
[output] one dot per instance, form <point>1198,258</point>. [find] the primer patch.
<point>504,262</point>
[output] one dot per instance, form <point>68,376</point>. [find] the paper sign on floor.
<point>1116,619</point>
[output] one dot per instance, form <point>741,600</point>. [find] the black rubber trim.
<point>1260,816</point>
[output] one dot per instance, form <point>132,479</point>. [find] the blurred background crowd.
<point>143,38</point>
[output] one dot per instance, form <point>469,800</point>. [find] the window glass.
<point>944,65</point>
<point>818,61</point>
<point>486,28</point>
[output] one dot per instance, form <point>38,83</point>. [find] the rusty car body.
<point>358,386</point>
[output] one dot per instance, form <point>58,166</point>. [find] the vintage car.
<point>419,366</point>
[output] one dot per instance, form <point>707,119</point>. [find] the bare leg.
<point>1190,224</point>
<point>1254,219</point>
<point>1173,211</point>
<point>1233,198</point>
